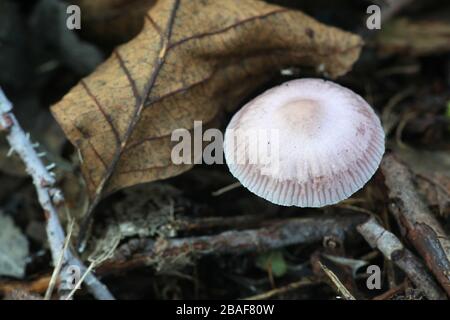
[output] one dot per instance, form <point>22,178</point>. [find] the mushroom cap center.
<point>301,115</point>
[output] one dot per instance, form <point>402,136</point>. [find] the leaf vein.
<point>102,111</point>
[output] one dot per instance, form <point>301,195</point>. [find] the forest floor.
<point>179,238</point>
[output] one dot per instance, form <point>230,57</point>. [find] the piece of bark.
<point>416,221</point>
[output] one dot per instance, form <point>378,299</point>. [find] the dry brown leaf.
<point>191,59</point>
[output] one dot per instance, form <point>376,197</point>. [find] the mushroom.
<point>307,143</point>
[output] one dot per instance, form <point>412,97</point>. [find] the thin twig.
<point>58,267</point>
<point>80,281</point>
<point>401,126</point>
<point>226,189</point>
<point>391,104</point>
<point>337,283</point>
<point>50,197</point>
<point>290,287</point>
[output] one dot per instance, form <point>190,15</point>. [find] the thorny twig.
<point>393,250</point>
<point>50,197</point>
<point>416,221</point>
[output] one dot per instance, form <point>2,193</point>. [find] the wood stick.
<point>416,221</point>
<point>393,250</point>
<point>277,234</point>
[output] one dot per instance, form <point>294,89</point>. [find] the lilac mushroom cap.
<point>321,143</point>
